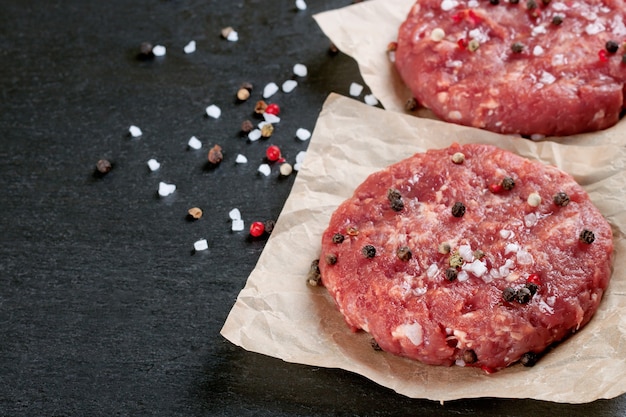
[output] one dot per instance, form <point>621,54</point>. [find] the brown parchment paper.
<point>364,30</point>
<point>277,314</point>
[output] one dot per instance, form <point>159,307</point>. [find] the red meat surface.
<point>412,309</point>
<point>561,81</point>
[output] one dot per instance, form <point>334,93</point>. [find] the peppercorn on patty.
<point>525,67</point>
<point>469,255</point>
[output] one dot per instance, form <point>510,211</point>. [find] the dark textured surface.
<point>104,307</point>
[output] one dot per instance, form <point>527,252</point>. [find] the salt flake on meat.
<point>447,5</point>
<point>511,248</point>
<point>594,28</point>
<point>413,332</point>
<point>524,258</point>
<point>478,268</point>
<point>466,253</point>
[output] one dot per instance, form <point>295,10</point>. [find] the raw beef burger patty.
<point>526,67</point>
<point>469,254</point>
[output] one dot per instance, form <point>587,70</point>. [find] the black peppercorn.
<point>451,274</point>
<point>145,51</point>
<point>523,295</point>
<point>517,47</point>
<point>458,209</point>
<point>508,183</point>
<point>269,226</point>
<point>395,199</point>
<point>494,2</point>
<point>587,236</point>
<point>533,288</point>
<point>513,1</point>
<point>375,345</point>
<point>469,356</point>
<point>508,294</point>
<point>314,277</point>
<point>561,199</point>
<point>611,46</point>
<point>531,4</point>
<point>557,19</point>
<point>331,259</point>
<point>624,59</point>
<point>369,251</point>
<point>529,359</point>
<point>404,253</point>
<point>338,238</point>
<point>411,104</point>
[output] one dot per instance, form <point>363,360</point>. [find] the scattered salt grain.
<point>289,86</point>
<point>255,135</point>
<point>303,134</point>
<point>135,131</point>
<point>265,169</point>
<point>237,225</point>
<point>299,160</point>
<point>232,36</point>
<point>370,99</point>
<point>234,214</point>
<point>194,143</point>
<point>300,70</point>
<point>537,50</point>
<point>271,118</point>
<point>153,164</point>
<point>213,111</point>
<point>201,245</point>
<point>190,48</point>
<point>462,276</point>
<point>300,5</point>
<point>269,90</point>
<point>241,159</point>
<point>166,189</point>
<point>159,50</point>
<point>356,89</point>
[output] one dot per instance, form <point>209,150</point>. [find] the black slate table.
<point>105,308</point>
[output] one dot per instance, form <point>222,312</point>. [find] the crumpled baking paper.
<point>279,315</point>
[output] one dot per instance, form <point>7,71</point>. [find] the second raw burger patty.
<point>476,261</point>
<point>529,68</point>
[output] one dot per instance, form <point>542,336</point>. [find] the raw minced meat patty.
<point>517,68</point>
<point>477,260</point>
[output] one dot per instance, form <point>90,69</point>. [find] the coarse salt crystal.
<point>472,4</point>
<point>537,136</point>
<point>241,159</point>
<point>505,234</point>
<point>265,169</point>
<point>466,253</point>
<point>153,164</point>
<point>511,248</point>
<point>478,268</point>
<point>194,143</point>
<point>234,214</point>
<point>255,135</point>
<point>530,220</point>
<point>201,245</point>
<point>537,50</point>
<point>356,89</point>
<point>547,78</point>
<point>190,48</point>
<point>462,276</point>
<point>166,189</point>
<point>135,131</point>
<point>303,134</point>
<point>455,115</point>
<point>447,5</point>
<point>300,156</point>
<point>594,28</point>
<point>271,118</point>
<point>300,70</point>
<point>232,36</point>
<point>524,258</point>
<point>289,86</point>
<point>269,90</point>
<point>370,99</point>
<point>213,111</point>
<point>300,5</point>
<point>237,225</point>
<point>432,270</point>
<point>159,50</point>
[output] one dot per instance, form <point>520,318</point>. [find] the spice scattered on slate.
<point>103,166</point>
<point>215,155</point>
